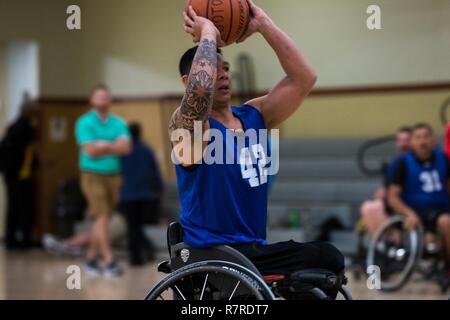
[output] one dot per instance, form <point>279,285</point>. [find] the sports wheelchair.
<point>399,253</point>
<point>223,273</point>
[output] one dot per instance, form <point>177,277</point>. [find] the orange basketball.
<point>231,17</point>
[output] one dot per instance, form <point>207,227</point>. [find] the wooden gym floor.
<point>38,275</point>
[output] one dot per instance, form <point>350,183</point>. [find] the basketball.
<point>231,17</point>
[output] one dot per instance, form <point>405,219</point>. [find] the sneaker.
<point>74,251</point>
<point>57,247</point>
<point>92,268</point>
<point>112,271</point>
<point>52,244</point>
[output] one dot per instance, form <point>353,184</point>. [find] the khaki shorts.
<point>101,192</point>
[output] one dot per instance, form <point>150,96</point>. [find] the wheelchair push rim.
<point>406,255</point>
<point>237,283</point>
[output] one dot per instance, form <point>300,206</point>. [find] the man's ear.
<point>185,80</point>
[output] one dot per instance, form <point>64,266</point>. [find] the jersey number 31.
<point>431,182</point>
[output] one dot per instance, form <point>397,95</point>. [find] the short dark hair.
<point>186,60</point>
<point>423,125</point>
<point>135,131</point>
<point>405,129</point>
<point>100,86</point>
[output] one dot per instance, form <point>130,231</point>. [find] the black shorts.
<point>285,258</point>
<point>429,218</point>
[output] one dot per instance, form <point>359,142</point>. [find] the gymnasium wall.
<point>2,128</point>
<point>138,56</point>
<point>2,88</point>
<point>351,115</point>
<point>334,36</point>
<point>134,45</point>
<point>60,50</point>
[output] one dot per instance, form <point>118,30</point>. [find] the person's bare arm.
<point>99,149</point>
<point>95,149</point>
<point>121,147</point>
<point>198,98</point>
<point>287,96</point>
<point>396,203</point>
<point>380,193</point>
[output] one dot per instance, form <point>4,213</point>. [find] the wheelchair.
<point>400,253</point>
<point>223,273</point>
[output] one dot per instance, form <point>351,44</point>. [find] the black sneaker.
<point>112,270</point>
<point>92,268</point>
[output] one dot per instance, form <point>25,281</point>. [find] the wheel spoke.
<point>221,286</point>
<point>235,288</point>
<point>204,287</point>
<point>180,293</point>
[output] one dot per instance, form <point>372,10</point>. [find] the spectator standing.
<point>103,138</point>
<point>140,195</point>
<point>18,157</point>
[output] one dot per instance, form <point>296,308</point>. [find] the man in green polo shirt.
<point>103,138</point>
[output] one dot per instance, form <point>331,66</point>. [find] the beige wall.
<point>44,21</point>
<point>365,115</point>
<point>2,88</point>
<point>334,37</point>
<point>138,53</point>
<point>2,127</point>
<point>135,45</point>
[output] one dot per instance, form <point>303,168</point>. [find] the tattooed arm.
<point>198,98</point>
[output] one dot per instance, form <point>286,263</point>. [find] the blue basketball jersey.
<point>392,166</point>
<point>425,186</point>
<point>226,204</point>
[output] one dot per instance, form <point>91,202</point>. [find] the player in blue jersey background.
<point>419,187</point>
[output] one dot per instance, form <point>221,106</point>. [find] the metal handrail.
<point>361,155</point>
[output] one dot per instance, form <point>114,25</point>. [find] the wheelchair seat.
<point>182,254</point>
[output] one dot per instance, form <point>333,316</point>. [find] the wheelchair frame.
<point>185,261</point>
<point>417,255</point>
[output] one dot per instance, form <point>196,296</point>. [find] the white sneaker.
<point>52,244</point>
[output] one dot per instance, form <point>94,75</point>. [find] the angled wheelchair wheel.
<point>396,251</point>
<point>212,280</point>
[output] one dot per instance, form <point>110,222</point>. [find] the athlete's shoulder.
<point>398,158</point>
<point>251,113</point>
<point>438,151</point>
<point>394,163</point>
<point>246,109</point>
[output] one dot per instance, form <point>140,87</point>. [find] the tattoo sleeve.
<point>198,98</point>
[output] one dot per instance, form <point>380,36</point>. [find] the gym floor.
<point>38,275</point>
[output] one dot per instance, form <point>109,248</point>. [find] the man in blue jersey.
<point>419,186</point>
<point>226,204</point>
